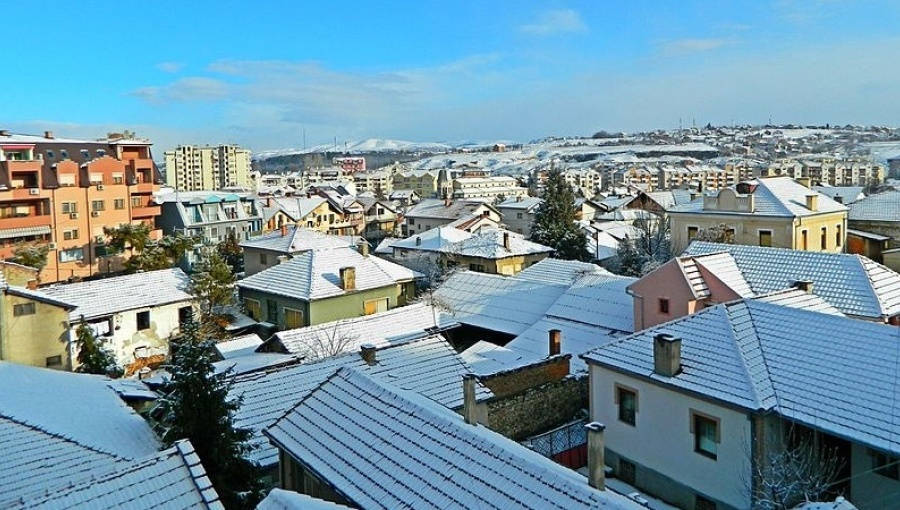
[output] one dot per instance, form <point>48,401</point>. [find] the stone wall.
<point>531,376</point>
<point>538,409</point>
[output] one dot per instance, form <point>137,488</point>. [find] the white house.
<point>134,314</point>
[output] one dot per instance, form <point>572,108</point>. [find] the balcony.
<point>28,194</point>
<point>147,211</point>
<point>43,220</point>
<point>15,165</point>
<point>143,187</point>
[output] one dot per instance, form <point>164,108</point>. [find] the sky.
<point>261,74</point>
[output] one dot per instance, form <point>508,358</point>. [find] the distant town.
<point>697,318</point>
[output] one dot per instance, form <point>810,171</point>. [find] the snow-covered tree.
<point>642,254</point>
<point>194,405</point>
<point>716,234</point>
<point>796,474</point>
<point>212,285</point>
<point>554,222</point>
<point>93,357</point>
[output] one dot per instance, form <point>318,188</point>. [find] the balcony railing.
<point>43,220</point>
<point>145,211</point>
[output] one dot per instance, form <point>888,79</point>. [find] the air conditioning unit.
<point>95,214</point>
<point>51,246</point>
<point>34,191</point>
<point>100,187</point>
<point>73,216</point>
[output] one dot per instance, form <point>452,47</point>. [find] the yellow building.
<point>193,168</point>
<point>777,212</point>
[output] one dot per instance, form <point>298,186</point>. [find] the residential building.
<point>379,182</point>
<point>280,499</point>
<point>777,211</point>
<point>489,469</point>
<point>381,218</point>
<point>207,168</point>
<point>829,170</point>
<point>351,164</point>
<point>423,182</point>
<point>842,194</point>
<point>405,197</point>
<point>264,251</point>
<point>853,284</point>
<point>324,285</point>
<point>64,192</point>
<point>209,217</point>
<point>875,222</point>
<point>314,212</point>
<point>431,213</point>
<point>133,315</point>
<point>428,365</point>
<point>584,181</point>
<point>493,187</point>
<point>519,213</point>
<point>738,383</point>
<point>659,202</point>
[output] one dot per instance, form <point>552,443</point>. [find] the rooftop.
<point>879,207</point>
<point>774,196</point>
<point>490,243</point>
<point>436,208</point>
<point>296,239</point>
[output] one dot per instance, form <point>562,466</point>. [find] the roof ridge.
<point>866,263</point>
<point>740,348</point>
<point>186,449</point>
<point>59,436</point>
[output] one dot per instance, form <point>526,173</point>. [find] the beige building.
<point>194,168</point>
<point>826,170</point>
<point>777,212</point>
<point>488,187</point>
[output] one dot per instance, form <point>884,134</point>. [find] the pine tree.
<point>195,405</point>
<point>212,285</point>
<point>93,358</point>
<point>230,250</point>
<point>554,222</point>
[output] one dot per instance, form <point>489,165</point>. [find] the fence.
<point>566,444</point>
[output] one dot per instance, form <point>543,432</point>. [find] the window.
<point>119,203</point>
<point>69,207</point>
<point>23,309</point>
<point>53,362</point>
<point>476,267</point>
<point>271,311</point>
<point>804,240</point>
<point>519,215</point>
<point>101,153</point>
<point>701,503</point>
<point>626,398</point>
<point>824,238</point>
<point>375,306</point>
<point>98,205</point>
<point>765,238</point>
<point>71,255</point>
<point>143,320</point>
<point>626,471</point>
<point>706,434</point>
<point>135,201</point>
<point>69,235</point>
<point>692,233</point>
<point>214,232</point>
<point>411,221</point>
<point>293,318</point>
<point>50,154</point>
<point>63,153</point>
<point>185,314</point>
<point>664,306</point>
<point>885,465</point>
<point>252,307</point>
<point>118,179</point>
<point>85,153</point>
<point>838,238</point>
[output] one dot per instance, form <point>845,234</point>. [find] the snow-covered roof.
<point>434,239</point>
<point>238,346</point>
<point>437,208</point>
<point>398,325</point>
<point>280,499</point>
<point>559,271</point>
<point>429,366</point>
<point>847,194</point>
<point>838,504</point>
<point>386,246</point>
<point>825,371</point>
<point>173,478</point>
<point>253,362</point>
<point>774,196</point>
<point>392,448</point>
<point>489,243</point>
<point>106,296</point>
<point>879,207</point>
<point>853,284</point>
<point>797,298</point>
<point>316,274</point>
<point>298,239</point>
<point>520,203</point>
<point>296,207</point>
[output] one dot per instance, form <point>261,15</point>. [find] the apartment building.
<point>351,164</point>
<point>828,170</point>
<point>423,182</point>
<point>487,187</point>
<point>63,192</point>
<point>379,182</point>
<point>195,168</point>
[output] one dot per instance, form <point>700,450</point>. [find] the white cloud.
<point>556,21</point>
<point>170,67</point>
<point>693,45</point>
<point>195,88</point>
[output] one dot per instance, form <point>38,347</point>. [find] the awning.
<point>8,233</point>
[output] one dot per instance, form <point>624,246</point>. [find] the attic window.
<point>50,154</point>
<point>664,306</point>
<point>64,154</point>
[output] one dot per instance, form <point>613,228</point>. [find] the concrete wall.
<point>661,444</point>
<point>31,339</point>
<point>518,224</point>
<point>667,282</point>
<point>870,490</point>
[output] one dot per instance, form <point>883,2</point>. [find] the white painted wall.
<point>661,438</point>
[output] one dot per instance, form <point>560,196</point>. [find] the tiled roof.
<point>847,194</point>
<point>280,499</point>
<point>559,271</point>
<point>297,208</point>
<point>520,203</point>
<point>316,274</point>
<point>598,300</point>
<point>394,326</point>
<point>824,371</point>
<point>775,196</point>
<point>721,265</point>
<point>384,448</point>
<point>238,346</point>
<point>172,479</point>
<point>297,240</point>
<point>671,198</point>
<point>106,296</point>
<point>436,208</point>
<point>879,207</point>
<point>434,239</point>
<point>429,366</point>
<point>487,243</point>
<point>853,284</point>
<point>796,298</point>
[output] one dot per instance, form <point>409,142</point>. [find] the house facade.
<point>519,213</point>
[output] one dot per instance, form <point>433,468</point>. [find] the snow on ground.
<point>881,151</point>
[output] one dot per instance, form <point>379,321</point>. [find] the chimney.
<point>839,199</point>
<point>595,454</point>
<point>283,230</point>
<point>367,351</point>
<point>804,285</point>
<point>364,248</point>
<point>348,278</point>
<point>48,134</point>
<point>666,355</point>
<point>418,241</point>
<point>812,202</point>
<point>469,412</point>
<point>555,338</point>
<point>31,285</point>
<point>506,240</point>
<point>518,198</point>
<point>447,202</point>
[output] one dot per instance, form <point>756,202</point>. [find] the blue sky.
<point>260,73</point>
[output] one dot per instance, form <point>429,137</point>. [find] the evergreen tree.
<point>212,285</point>
<point>146,254</point>
<point>230,251</point>
<point>554,222</point>
<point>195,405</point>
<point>93,358</point>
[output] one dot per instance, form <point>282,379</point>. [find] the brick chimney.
<point>348,278</point>
<point>367,352</point>
<point>812,202</point>
<point>470,412</point>
<point>48,134</point>
<point>506,240</point>
<point>555,341</point>
<point>283,230</point>
<point>595,454</point>
<point>804,285</point>
<point>364,248</point>
<point>666,355</point>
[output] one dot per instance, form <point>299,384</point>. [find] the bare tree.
<point>795,474</point>
<point>716,234</point>
<point>330,342</point>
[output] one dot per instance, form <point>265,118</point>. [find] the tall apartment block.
<point>193,168</point>
<point>62,192</point>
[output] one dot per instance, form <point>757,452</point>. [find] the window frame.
<point>692,232</point>
<point>823,238</point>
<point>696,416</point>
<point>287,312</point>
<point>22,309</point>
<point>619,390</point>
<point>759,237</point>
<point>57,361</point>
<point>663,306</point>
<point>885,465</point>
<point>138,320</point>
<point>257,307</point>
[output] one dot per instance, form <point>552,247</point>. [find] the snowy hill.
<point>363,146</point>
